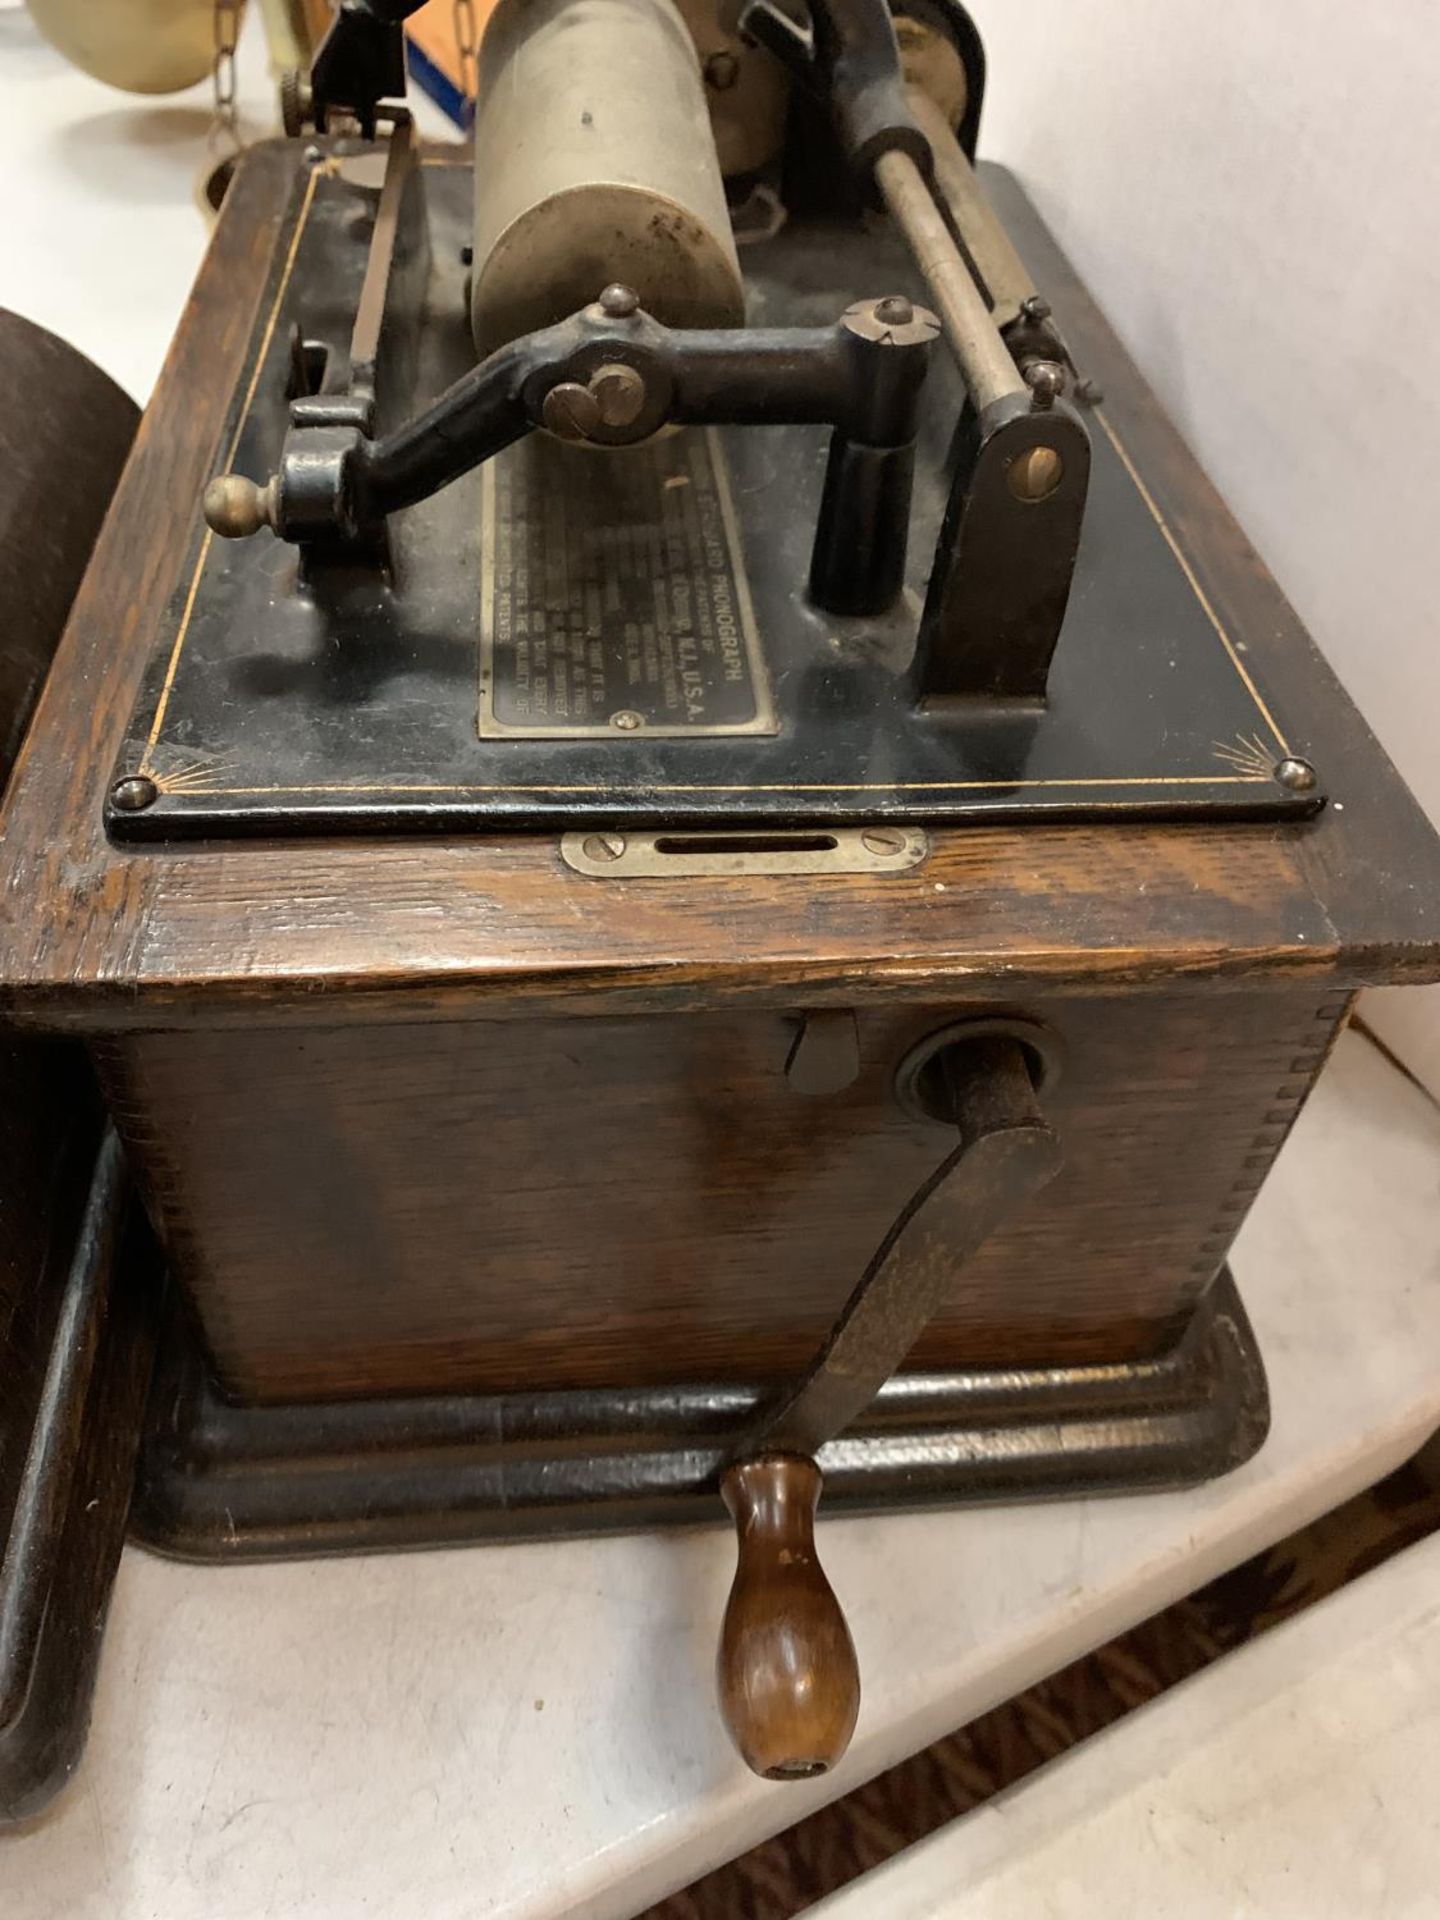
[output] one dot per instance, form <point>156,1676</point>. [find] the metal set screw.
<point>603,847</point>
<point>894,310</point>
<point>1046,381</point>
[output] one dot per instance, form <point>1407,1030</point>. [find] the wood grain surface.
<point>403,1209</point>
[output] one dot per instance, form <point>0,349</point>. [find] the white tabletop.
<point>530,1730</point>
<point>1295,1780</point>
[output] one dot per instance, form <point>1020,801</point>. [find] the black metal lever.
<point>1004,1155</point>
<point>611,375</point>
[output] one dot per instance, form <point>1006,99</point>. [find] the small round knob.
<point>617,302</point>
<point>894,310</point>
<point>296,106</point>
<point>1046,381</point>
<point>787,1674</point>
<point>235,507</point>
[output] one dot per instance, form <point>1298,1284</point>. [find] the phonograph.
<point>674,852</point>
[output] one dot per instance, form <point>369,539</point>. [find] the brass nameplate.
<point>614,600</point>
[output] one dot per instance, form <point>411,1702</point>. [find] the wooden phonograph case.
<point>712,867</point>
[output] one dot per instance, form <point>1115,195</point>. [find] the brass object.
<point>570,411</point>
<point>686,856</point>
<point>932,65</point>
<point>594,162</point>
<point>134,794</point>
<point>1036,474</point>
<point>294,29</point>
<point>619,393</point>
<point>1003,274</point>
<point>613,396</point>
<point>141,46</point>
<point>983,357</point>
<point>235,507</point>
<point>1296,774</point>
<point>1046,381</point>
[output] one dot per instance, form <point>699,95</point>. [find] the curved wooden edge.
<point>70,1520</point>
<point>74,1350</point>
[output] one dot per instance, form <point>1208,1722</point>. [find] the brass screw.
<point>603,847</point>
<point>1035,475</point>
<point>1046,381</point>
<point>626,719</point>
<point>883,840</point>
<point>570,411</point>
<point>619,393</point>
<point>894,311</point>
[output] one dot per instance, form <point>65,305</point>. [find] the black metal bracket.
<point>1006,555</point>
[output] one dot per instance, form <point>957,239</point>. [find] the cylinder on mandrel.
<point>594,163</point>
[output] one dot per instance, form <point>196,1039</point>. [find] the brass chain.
<point>467,42</point>
<point>226,124</point>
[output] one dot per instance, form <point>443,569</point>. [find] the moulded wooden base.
<point>219,1481</point>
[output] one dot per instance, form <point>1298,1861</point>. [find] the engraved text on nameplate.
<point>614,600</point>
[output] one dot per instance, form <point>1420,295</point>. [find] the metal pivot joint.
<point>611,376</point>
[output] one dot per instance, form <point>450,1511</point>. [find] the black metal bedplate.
<point>627,641</point>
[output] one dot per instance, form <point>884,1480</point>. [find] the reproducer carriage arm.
<point>612,376</point>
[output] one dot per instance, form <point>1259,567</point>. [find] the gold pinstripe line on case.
<point>164,701</point>
<point>1198,590</point>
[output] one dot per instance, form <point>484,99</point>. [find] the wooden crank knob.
<point>788,1678</point>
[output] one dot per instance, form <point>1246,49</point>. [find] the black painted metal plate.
<point>276,706</point>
